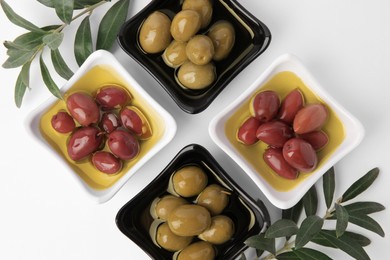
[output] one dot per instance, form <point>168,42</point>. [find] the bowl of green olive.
<point>192,207</point>
<point>194,48</point>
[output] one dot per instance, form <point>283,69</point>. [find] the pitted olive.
<point>189,220</point>
<point>200,49</point>
<point>214,198</point>
<point>175,54</point>
<point>185,24</point>
<point>194,76</point>
<point>167,204</point>
<point>169,241</point>
<point>189,181</point>
<point>223,35</point>
<point>154,35</point>
<point>203,7</point>
<point>200,250</point>
<point>220,231</point>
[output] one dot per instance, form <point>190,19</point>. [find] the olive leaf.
<point>364,207</point>
<point>367,222</point>
<point>287,256</point>
<point>17,58</point>
<point>328,183</point>
<point>342,220</point>
<point>111,23</point>
<point>83,41</point>
<point>308,229</point>
<point>30,40</point>
<point>47,79</point>
<point>53,40</point>
<point>242,257</point>
<point>304,254</point>
<point>25,73</point>
<point>59,65</point>
<point>50,3</point>
<point>360,239</point>
<point>360,185</point>
<point>310,201</point>
<point>281,228</point>
<point>20,90</point>
<point>293,213</point>
<point>13,46</point>
<point>261,243</point>
<point>64,10</point>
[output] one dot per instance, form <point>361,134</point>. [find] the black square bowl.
<point>252,39</point>
<point>250,217</point>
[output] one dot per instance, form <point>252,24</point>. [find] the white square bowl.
<point>270,183</point>
<point>166,130</point>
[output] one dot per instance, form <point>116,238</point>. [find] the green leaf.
<point>328,183</point>
<point>64,10</point>
<point>308,229</point>
<point>259,252</point>
<point>367,222</point>
<point>18,58</point>
<point>293,213</point>
<point>83,41</point>
<point>13,46</point>
<point>310,254</point>
<point>50,84</point>
<point>342,220</point>
<point>25,73</point>
<point>53,40</point>
<point>59,65</point>
<point>242,257</point>
<point>360,239</point>
<point>310,201</point>
<point>48,3</point>
<point>89,2</point>
<point>111,23</point>
<point>281,228</point>
<point>345,243</point>
<point>364,207</point>
<point>20,90</point>
<point>360,185</point>
<point>261,243</point>
<point>287,256</point>
<point>17,19</point>
<point>30,40</point>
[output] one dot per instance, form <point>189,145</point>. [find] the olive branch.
<point>26,47</point>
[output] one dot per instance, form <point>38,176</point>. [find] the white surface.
<point>346,46</point>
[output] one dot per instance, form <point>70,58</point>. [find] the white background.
<point>344,43</point>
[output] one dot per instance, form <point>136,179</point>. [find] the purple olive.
<point>247,131</point>
<point>83,142</point>
<point>135,121</point>
<point>300,155</point>
<point>62,122</point>
<point>274,158</point>
<point>109,122</point>
<point>123,144</point>
<point>310,118</point>
<point>106,162</point>
<point>112,97</point>
<point>290,106</point>
<point>265,105</point>
<point>83,108</point>
<point>274,133</point>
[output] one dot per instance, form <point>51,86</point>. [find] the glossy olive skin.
<point>83,142</point>
<point>112,97</point>
<point>200,49</point>
<point>194,76</point>
<point>310,118</point>
<point>167,204</point>
<point>214,198</point>
<point>290,106</point>
<point>123,144</point>
<point>189,220</point>
<point>185,24</point>
<point>317,139</point>
<point>220,231</point>
<point>246,134</point>
<point>300,155</point>
<point>106,162</point>
<point>223,36</point>
<point>170,241</point>
<point>189,181</point>
<point>83,108</point>
<point>154,35</point>
<point>175,54</point>
<point>200,250</point>
<point>274,133</point>
<point>203,7</point>
<point>265,105</point>
<point>275,160</point>
<point>62,122</point>
<point>135,121</point>
<point>109,122</point>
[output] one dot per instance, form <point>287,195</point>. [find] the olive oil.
<point>95,78</point>
<point>283,83</point>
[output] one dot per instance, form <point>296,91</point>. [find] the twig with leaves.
<point>26,47</point>
<point>311,228</point>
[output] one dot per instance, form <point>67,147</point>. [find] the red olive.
<point>317,139</point>
<point>247,131</point>
<point>300,155</point>
<point>274,133</point>
<point>83,142</point>
<point>112,97</point>
<point>290,106</point>
<point>123,144</point>
<point>134,120</point>
<point>62,122</point>
<point>265,105</point>
<point>106,162</point>
<point>310,118</point>
<point>83,108</point>
<point>274,158</point>
<point>109,122</point>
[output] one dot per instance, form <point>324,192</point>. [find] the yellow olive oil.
<point>283,83</point>
<point>95,78</point>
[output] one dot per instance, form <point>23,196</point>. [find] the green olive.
<point>185,24</point>
<point>175,54</point>
<point>200,250</point>
<point>203,7</point>
<point>189,220</point>
<point>167,204</point>
<point>200,49</point>
<point>220,230</point>
<point>189,181</point>
<point>223,35</point>
<point>169,241</point>
<point>194,76</point>
<point>214,198</point>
